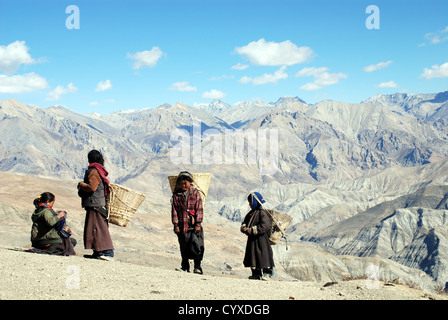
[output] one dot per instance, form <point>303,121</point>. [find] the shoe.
<point>266,277</point>
<point>94,255</point>
<point>106,258</point>
<point>254,277</point>
<point>198,270</point>
<point>107,255</point>
<point>182,270</point>
<point>268,273</point>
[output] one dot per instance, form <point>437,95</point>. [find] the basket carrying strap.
<point>273,219</point>
<point>196,185</point>
<point>251,219</point>
<point>271,215</point>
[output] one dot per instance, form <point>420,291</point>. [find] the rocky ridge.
<point>345,170</point>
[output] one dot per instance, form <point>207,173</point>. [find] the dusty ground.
<point>146,255</point>
<point>33,276</point>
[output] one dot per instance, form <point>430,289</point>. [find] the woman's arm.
<point>174,215</point>
<point>50,218</point>
<point>264,225</point>
<point>94,180</point>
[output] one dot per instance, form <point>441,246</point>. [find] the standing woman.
<point>93,191</point>
<point>49,232</point>
<point>256,224</point>
<point>186,214</point>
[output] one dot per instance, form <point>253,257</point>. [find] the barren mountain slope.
<point>148,241</point>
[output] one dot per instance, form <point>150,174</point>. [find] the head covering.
<point>185,175</point>
<point>256,200</point>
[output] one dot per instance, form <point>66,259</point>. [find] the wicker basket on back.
<point>201,181</point>
<point>122,203</point>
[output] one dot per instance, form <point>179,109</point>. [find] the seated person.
<point>49,233</point>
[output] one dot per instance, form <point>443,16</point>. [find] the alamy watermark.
<point>211,146</point>
<point>73,20</point>
<point>73,279</point>
<point>373,20</point>
<point>373,277</point>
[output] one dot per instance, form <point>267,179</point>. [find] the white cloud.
<point>182,86</point>
<point>240,67</point>
<point>14,55</point>
<point>222,77</point>
<point>322,78</point>
<point>310,86</point>
<point>103,86</point>
<point>308,72</point>
<point>378,66</point>
<point>266,78</point>
<point>389,84</point>
<point>22,83</point>
<point>436,37</point>
<point>57,92</point>
<point>213,94</point>
<point>146,58</point>
<point>436,71</point>
<point>275,53</point>
<point>94,103</point>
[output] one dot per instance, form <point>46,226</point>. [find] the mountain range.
<point>367,179</point>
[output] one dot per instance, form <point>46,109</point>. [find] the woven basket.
<point>280,222</point>
<point>201,181</point>
<point>122,203</point>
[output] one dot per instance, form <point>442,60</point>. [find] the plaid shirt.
<point>180,210</point>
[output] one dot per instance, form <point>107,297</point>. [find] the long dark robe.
<point>258,248</point>
<point>96,232</point>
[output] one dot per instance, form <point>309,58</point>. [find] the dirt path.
<point>34,276</point>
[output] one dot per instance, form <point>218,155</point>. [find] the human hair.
<point>43,198</point>
<point>94,156</point>
<point>184,175</point>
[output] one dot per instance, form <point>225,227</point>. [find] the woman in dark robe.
<point>93,191</point>
<point>256,225</point>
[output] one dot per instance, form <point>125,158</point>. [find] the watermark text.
<point>252,147</point>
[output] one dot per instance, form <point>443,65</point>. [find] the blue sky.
<point>138,54</point>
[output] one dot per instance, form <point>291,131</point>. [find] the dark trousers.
<point>184,244</point>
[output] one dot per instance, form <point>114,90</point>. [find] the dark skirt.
<point>259,252</point>
<point>96,232</point>
<point>65,248</point>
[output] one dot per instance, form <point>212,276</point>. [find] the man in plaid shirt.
<point>186,215</point>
